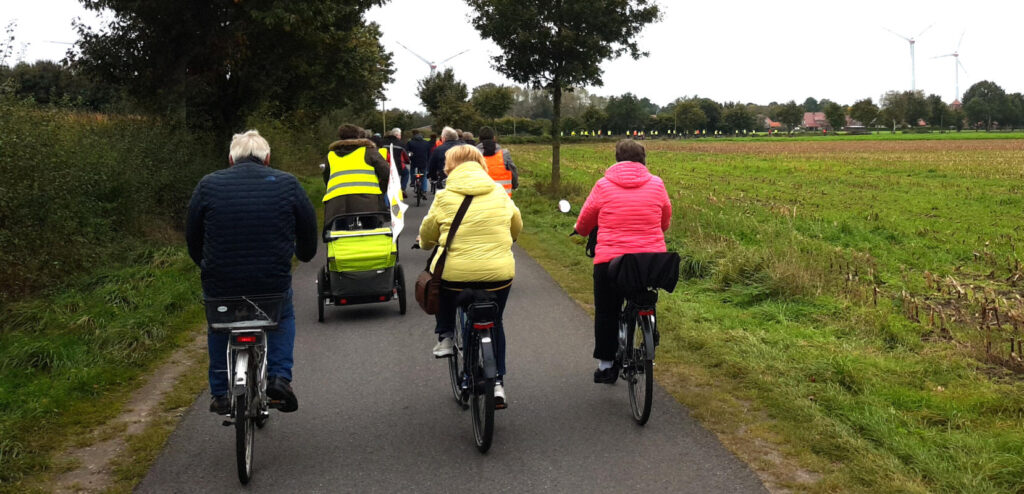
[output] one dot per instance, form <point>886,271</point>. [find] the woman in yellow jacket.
<point>481,253</point>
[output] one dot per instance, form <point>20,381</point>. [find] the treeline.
<point>522,110</point>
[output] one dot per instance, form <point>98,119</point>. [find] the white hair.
<point>396,132</point>
<point>249,143</point>
<point>449,134</point>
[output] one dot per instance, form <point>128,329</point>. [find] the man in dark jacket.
<point>435,167</point>
<point>419,151</point>
<point>244,224</point>
<point>394,141</point>
<point>364,200</point>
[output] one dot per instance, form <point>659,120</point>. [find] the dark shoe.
<point>279,390</point>
<point>221,405</point>
<point>607,376</point>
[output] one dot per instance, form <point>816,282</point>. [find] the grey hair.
<point>449,134</point>
<point>467,135</point>
<point>396,132</point>
<point>249,143</point>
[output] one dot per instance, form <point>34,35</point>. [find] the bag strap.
<point>439,267</point>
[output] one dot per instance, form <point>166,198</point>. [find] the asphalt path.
<point>376,412</point>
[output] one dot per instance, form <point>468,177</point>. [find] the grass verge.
<point>800,375</point>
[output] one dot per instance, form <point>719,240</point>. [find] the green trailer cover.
<point>361,250</point>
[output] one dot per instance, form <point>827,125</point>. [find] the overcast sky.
<point>741,50</point>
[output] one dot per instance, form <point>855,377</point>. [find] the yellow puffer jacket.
<point>482,248</point>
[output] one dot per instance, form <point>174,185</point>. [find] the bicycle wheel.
<point>454,371</point>
<point>400,288</point>
<point>245,429</point>
<point>419,193</point>
<point>641,375</point>
<point>482,398</point>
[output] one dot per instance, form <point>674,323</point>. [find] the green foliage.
<point>984,102</point>
<point>689,117</point>
<point>445,99</point>
<point>736,119</point>
<point>791,115</point>
<point>492,101</point>
<point>865,112</point>
<point>811,105</point>
<point>211,63</point>
<point>76,185</point>
<point>627,112</point>
<point>836,115</point>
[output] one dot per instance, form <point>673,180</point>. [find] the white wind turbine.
<point>912,41</point>
<point>957,66</point>
<point>433,66</point>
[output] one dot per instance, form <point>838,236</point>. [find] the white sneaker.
<point>444,348</point>
<point>499,396</point>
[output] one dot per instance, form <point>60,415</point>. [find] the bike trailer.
<point>361,262</point>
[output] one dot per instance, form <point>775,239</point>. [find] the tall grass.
<point>774,333</point>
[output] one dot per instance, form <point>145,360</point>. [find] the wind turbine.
<point>957,66</point>
<point>433,66</point>
<point>912,41</point>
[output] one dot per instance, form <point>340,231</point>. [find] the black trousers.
<point>607,306</point>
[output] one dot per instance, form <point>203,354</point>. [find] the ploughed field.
<point>855,304</point>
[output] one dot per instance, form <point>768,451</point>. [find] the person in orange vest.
<point>499,162</point>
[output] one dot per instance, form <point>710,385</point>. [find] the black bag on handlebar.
<point>634,273</point>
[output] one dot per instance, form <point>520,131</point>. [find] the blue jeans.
<point>404,176</point>
<point>424,184</point>
<point>280,346</point>
<point>445,319</point>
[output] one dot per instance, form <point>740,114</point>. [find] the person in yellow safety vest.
<point>499,162</point>
<point>356,176</point>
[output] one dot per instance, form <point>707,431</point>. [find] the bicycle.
<point>473,382</point>
<point>247,319</point>
<point>436,183</point>
<point>418,188</point>
<point>639,277</point>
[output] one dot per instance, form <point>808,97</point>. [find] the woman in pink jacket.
<point>631,210</point>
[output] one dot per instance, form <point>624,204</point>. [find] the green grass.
<point>773,337</point>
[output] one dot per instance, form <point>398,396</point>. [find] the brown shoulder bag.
<point>428,285</point>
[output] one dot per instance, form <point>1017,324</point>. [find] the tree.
<point>594,118</point>
<point>790,115</point>
<point>626,112</point>
<point>939,114</point>
<point>212,63</point>
<point>1015,110</point>
<point>712,110</point>
<point>835,114</point>
<point>737,118</point>
<point>984,101</point>
<point>444,97</point>
<point>689,117</point>
<point>811,104</point>
<point>916,107</point>
<point>864,111</point>
<point>492,101</point>
<point>558,46</point>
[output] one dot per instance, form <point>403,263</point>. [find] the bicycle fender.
<point>487,348</point>
<point>241,373</point>
<point>647,324</point>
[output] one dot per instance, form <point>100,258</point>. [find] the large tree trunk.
<point>556,136</point>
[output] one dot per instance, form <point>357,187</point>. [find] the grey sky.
<point>750,51</point>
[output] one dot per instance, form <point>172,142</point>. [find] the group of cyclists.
<point>246,222</point>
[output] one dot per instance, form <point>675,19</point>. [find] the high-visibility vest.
<point>350,174</point>
<point>496,169</point>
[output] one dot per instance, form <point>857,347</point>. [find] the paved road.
<point>376,412</point>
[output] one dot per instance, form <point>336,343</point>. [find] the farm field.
<point>849,318</point>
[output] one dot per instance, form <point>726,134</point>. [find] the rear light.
<point>482,326</point>
<point>245,339</point>
<point>646,313</point>
<point>383,298</point>
<point>343,301</point>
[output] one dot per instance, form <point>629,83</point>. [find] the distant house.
<point>771,124</point>
<point>956,105</point>
<point>852,124</point>
<point>815,121</point>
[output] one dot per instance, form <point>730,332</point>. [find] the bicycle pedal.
<point>227,423</point>
<point>275,404</point>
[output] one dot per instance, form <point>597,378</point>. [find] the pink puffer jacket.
<point>631,209</point>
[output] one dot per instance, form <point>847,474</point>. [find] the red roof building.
<point>815,120</point>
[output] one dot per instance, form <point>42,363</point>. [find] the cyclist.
<point>499,162</point>
<point>436,164</point>
<point>631,211</point>
<point>419,150</point>
<point>356,176</point>
<point>243,226</point>
<point>394,141</point>
<point>481,257</point>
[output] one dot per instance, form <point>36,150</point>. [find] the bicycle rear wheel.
<point>640,377</point>
<point>482,399</point>
<point>454,362</point>
<point>245,426</point>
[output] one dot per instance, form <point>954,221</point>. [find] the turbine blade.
<point>961,40</point>
<point>416,54</point>
<point>944,56</point>
<point>926,30</point>
<point>897,34</point>
<point>453,56</point>
<point>958,62</point>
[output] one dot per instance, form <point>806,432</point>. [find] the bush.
<point>77,186</point>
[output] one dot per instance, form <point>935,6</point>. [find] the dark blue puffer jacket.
<point>243,225</point>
